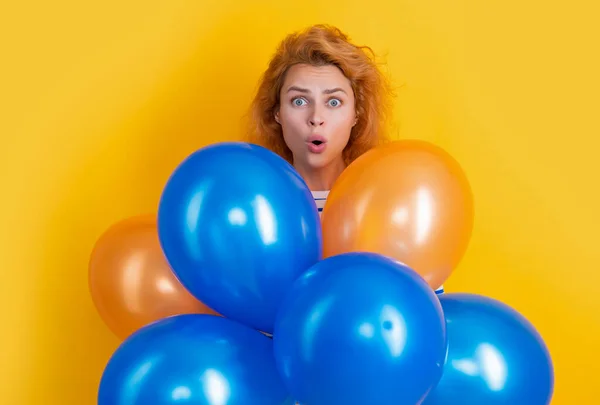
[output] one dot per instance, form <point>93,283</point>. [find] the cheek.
<point>342,126</point>
<point>291,126</point>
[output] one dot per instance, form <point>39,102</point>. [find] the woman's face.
<point>316,114</point>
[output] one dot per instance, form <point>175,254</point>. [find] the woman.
<point>321,103</point>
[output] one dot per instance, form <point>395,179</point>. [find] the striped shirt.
<point>320,198</point>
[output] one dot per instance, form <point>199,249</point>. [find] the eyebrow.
<point>327,91</point>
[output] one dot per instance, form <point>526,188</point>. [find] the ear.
<point>276,115</point>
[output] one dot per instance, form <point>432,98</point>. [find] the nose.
<point>316,118</point>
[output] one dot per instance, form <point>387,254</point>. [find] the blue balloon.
<point>193,359</point>
<point>495,356</point>
<point>360,328</point>
<point>238,225</point>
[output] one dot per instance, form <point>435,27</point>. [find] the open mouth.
<point>316,143</point>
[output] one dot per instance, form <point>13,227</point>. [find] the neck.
<point>322,178</point>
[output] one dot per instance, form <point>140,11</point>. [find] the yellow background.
<point>100,102</point>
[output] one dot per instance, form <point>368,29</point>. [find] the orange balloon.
<point>409,200</point>
<point>130,280</point>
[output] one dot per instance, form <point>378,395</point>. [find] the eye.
<point>299,102</point>
<point>334,102</point>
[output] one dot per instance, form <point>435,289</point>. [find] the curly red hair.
<point>324,45</point>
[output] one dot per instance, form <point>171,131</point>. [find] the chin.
<point>318,161</point>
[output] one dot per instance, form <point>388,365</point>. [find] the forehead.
<point>316,77</point>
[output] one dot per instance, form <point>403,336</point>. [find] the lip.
<point>314,148</point>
